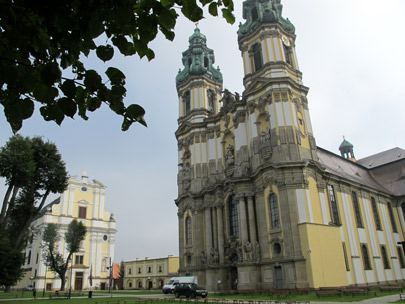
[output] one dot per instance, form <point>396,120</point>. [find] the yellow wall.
<point>319,244</point>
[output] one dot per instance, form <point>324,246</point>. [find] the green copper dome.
<point>345,145</point>
<point>198,60</point>
<point>257,12</point>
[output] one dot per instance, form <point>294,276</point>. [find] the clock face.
<point>285,40</point>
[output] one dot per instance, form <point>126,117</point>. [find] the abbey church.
<point>260,205</point>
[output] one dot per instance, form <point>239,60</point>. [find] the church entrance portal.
<point>234,278</point>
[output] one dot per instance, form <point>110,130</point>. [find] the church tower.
<point>273,81</point>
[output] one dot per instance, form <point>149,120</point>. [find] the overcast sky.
<point>351,53</point>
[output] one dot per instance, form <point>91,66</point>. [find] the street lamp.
<point>71,269</point>
<point>109,277</point>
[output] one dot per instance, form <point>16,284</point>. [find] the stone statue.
<point>230,155</point>
<point>204,256</point>
<point>248,251</point>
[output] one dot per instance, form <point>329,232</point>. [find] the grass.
<point>117,299</point>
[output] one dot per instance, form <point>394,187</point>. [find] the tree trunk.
<point>62,283</point>
<point>7,289</point>
<point>5,205</point>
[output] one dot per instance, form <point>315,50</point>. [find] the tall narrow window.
<point>257,56</point>
<point>255,15</point>
<point>274,215</point>
<point>333,205</point>
<point>82,212</point>
<point>287,54</point>
<point>233,217</point>
<point>386,262</point>
<point>401,256</point>
<point>206,62</point>
<point>392,218</point>
<point>29,258</point>
<point>345,255</point>
<point>187,102</point>
<point>211,100</point>
<point>188,230</point>
<point>357,211</point>
<point>376,214</point>
<point>366,259</point>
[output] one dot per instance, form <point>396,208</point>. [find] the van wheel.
<point>193,295</point>
<point>177,295</point>
<point>203,296</point>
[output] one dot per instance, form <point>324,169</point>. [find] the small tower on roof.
<point>199,83</point>
<point>346,150</point>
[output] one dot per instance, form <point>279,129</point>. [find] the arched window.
<point>211,100</point>
<point>233,217</point>
<point>188,230</point>
<point>366,259</point>
<point>257,56</point>
<point>392,218</point>
<point>287,54</point>
<point>140,284</point>
<point>187,102</point>
<point>357,211</point>
<point>333,205</point>
<point>401,256</point>
<point>376,214</point>
<point>274,215</point>
<point>386,262</point>
<point>206,62</point>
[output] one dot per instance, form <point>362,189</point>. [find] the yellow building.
<point>150,273</point>
<point>259,204</point>
<point>83,200</point>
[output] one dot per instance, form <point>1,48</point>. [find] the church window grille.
<point>211,100</point>
<point>82,212</point>
<point>233,217</point>
<point>187,102</point>
<point>257,56</point>
<point>188,230</point>
<point>401,256</point>
<point>385,257</point>
<point>366,259</point>
<point>392,218</point>
<point>333,205</point>
<point>345,255</point>
<point>274,214</point>
<point>357,211</point>
<point>376,214</point>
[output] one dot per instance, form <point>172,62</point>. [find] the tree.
<point>76,232</point>
<point>42,46</point>
<point>122,270</point>
<point>32,169</point>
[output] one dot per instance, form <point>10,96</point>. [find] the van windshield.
<point>170,282</point>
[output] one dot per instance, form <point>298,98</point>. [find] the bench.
<point>356,291</point>
<point>280,292</point>
<point>402,296</point>
<point>328,292</point>
<point>58,295</point>
<point>390,288</point>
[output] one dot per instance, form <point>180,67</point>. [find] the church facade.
<point>259,204</point>
<point>83,200</point>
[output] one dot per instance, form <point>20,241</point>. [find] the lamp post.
<point>71,269</point>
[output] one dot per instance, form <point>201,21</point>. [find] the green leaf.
<point>92,80</point>
<point>121,43</point>
<point>105,52</point>
<point>227,14</point>
<point>50,73</point>
<point>25,108</point>
<point>69,88</point>
<point>167,3</point>
<point>45,94</point>
<point>52,112</point>
<point>68,106</point>
<point>167,18</point>
<point>93,103</point>
<point>116,76</point>
<point>213,9</point>
<point>192,11</point>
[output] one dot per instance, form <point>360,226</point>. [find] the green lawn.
<point>131,300</point>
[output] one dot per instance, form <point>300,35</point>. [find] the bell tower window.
<point>187,103</point>
<point>287,54</point>
<point>211,101</point>
<point>255,15</point>
<point>206,62</point>
<point>257,56</point>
